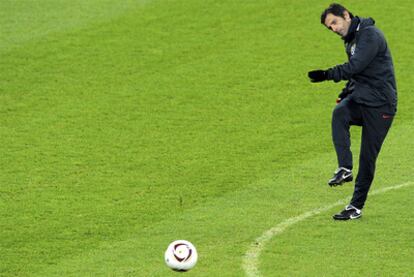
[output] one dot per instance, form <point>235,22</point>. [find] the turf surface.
<point>125,125</point>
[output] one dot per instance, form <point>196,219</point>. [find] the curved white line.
<point>251,258</point>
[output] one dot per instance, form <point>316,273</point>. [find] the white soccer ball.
<point>181,255</point>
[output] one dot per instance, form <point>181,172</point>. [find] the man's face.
<point>338,24</point>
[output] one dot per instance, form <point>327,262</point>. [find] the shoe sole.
<point>341,183</point>
<point>347,218</point>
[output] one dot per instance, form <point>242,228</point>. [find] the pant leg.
<point>345,114</point>
<point>376,123</point>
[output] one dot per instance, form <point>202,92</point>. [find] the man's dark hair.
<point>335,9</point>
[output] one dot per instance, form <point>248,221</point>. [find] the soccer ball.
<point>181,255</point>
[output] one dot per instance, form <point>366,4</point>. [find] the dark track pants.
<point>375,122</point>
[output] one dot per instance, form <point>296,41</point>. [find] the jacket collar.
<point>353,28</point>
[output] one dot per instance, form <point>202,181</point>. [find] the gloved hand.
<point>345,92</point>
<point>317,75</point>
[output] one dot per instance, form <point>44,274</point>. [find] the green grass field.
<point>125,125</point>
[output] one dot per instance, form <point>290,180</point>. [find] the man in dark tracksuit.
<point>369,99</point>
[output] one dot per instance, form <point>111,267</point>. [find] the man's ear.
<point>347,17</point>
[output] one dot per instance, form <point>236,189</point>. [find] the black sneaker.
<point>350,212</point>
<point>341,176</point>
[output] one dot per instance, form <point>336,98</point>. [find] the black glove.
<point>317,75</point>
<point>345,92</point>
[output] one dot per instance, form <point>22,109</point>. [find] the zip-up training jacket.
<point>369,69</point>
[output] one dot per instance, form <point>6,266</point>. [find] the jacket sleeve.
<point>367,48</point>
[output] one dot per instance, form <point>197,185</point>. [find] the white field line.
<point>251,258</point>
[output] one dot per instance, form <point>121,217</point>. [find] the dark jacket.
<point>369,69</point>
